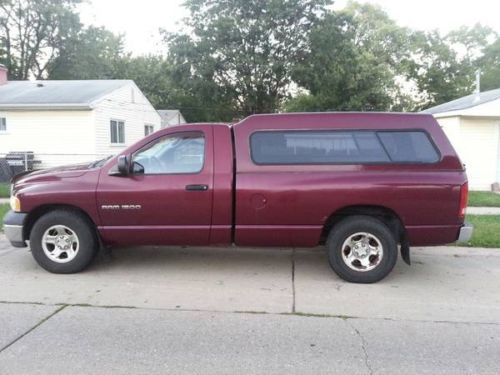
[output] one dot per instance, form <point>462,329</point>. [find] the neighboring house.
<point>71,121</point>
<point>170,117</point>
<point>472,124</point>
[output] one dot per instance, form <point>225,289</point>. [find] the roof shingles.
<point>468,101</point>
<point>20,94</point>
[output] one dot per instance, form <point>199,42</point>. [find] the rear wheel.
<point>63,241</point>
<point>362,249</point>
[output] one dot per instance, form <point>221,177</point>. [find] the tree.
<point>240,53</point>
<point>437,70</point>
<point>353,62</point>
<point>444,67</point>
<point>470,42</point>
<point>151,74</point>
<point>93,53</point>
<point>32,33</point>
<point>489,63</point>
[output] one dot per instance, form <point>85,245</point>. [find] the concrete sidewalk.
<point>212,310</point>
<point>483,210</point>
<point>444,283</point>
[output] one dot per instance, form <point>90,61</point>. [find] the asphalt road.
<point>255,311</point>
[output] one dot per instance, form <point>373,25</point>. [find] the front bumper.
<point>465,233</point>
<point>13,224</point>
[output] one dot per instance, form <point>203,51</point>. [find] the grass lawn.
<point>484,199</point>
<point>4,189</point>
<point>486,230</point>
<point>3,210</point>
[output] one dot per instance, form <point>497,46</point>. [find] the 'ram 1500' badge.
<point>121,206</point>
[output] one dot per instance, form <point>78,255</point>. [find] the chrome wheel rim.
<point>60,244</point>
<point>362,251</point>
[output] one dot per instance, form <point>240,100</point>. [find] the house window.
<point>3,124</point>
<point>148,129</point>
<point>117,132</point>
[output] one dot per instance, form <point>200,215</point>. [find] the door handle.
<point>196,187</point>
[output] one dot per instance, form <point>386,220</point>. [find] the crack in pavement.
<point>363,346</point>
<point>33,328</point>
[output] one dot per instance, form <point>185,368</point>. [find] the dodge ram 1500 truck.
<point>363,184</point>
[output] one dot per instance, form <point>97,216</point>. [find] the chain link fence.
<point>12,163</point>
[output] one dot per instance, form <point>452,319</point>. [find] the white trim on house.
<point>45,107</point>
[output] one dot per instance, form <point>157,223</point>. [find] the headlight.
<point>15,204</point>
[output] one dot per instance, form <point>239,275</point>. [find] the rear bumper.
<point>465,233</point>
<point>435,235</point>
<point>13,225</point>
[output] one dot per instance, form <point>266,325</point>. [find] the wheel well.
<point>38,212</point>
<point>384,214</point>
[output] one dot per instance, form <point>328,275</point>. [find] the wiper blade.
<point>100,163</point>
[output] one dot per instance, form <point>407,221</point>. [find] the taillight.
<point>464,193</point>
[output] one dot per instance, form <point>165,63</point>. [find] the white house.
<point>170,117</point>
<point>472,124</point>
<point>72,121</point>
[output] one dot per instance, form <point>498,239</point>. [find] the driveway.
<point>212,310</point>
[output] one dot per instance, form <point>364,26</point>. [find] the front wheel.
<point>63,241</point>
<point>362,249</point>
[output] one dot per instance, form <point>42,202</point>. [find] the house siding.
<point>129,105</point>
<point>477,142</point>
<point>451,127</point>
<point>479,148</point>
<point>498,153</point>
<point>56,137</point>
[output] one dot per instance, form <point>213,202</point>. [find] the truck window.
<point>341,147</point>
<point>172,154</point>
<point>409,146</point>
<point>316,147</point>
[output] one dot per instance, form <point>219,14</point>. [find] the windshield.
<point>100,162</point>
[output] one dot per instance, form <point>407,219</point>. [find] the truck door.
<point>167,199</point>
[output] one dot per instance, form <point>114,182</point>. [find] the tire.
<point>63,241</point>
<point>362,249</point>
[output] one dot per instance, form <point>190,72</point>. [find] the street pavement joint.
<point>296,313</point>
<point>33,328</point>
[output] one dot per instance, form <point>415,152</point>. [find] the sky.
<point>139,21</point>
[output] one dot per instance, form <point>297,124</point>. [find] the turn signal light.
<point>15,204</point>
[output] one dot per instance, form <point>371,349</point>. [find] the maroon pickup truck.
<point>362,184</point>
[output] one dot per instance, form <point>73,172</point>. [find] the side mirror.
<point>123,165</point>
